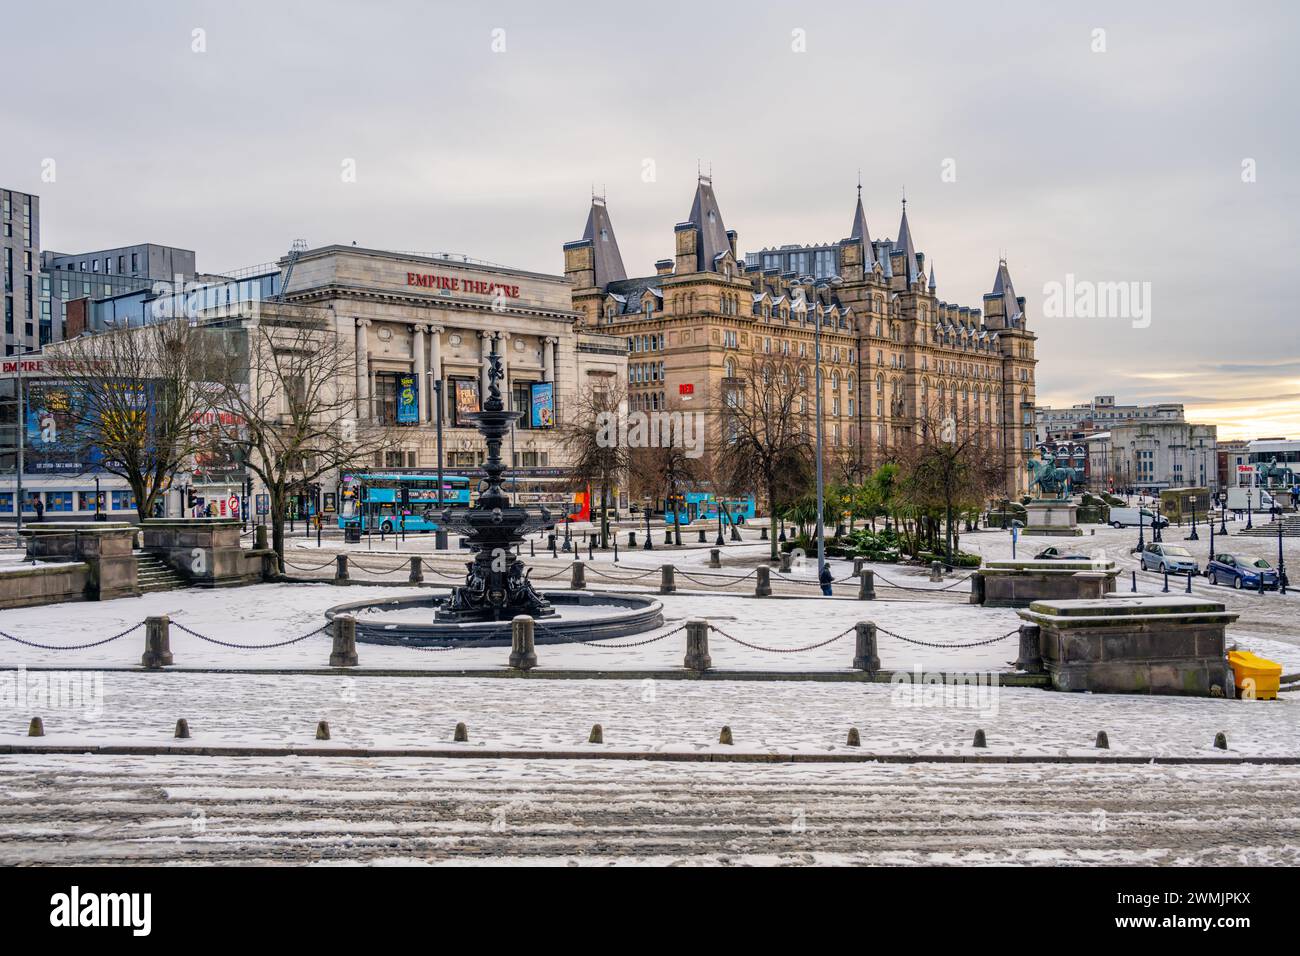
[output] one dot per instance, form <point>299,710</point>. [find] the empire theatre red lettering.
<point>453,284</point>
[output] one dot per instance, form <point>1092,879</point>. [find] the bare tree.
<point>950,466</point>
<point>657,471</point>
<point>592,437</point>
<point>763,441</point>
<point>133,402</point>
<point>289,403</point>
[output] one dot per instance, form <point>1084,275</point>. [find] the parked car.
<point>1169,557</point>
<point>1241,571</point>
<point>1129,517</point>
<point>1056,554</point>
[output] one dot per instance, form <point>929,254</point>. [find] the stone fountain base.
<point>593,616</point>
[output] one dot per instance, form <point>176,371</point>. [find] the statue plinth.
<point>1052,516</point>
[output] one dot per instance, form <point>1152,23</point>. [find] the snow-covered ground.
<point>271,613</point>
<point>108,810</point>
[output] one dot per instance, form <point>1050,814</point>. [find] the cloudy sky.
<point>1151,145</point>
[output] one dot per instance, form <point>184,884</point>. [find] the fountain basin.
<point>581,616</point>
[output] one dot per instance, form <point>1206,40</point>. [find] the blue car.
<point>1241,571</point>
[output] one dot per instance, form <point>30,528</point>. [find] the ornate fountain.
<point>496,585</point>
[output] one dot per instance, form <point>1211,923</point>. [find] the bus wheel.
<point>386,527</point>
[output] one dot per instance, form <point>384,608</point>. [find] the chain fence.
<point>247,647</point>
<point>72,647</point>
<point>944,646</point>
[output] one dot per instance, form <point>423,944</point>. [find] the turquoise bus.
<point>388,502</point>
<point>692,506</point>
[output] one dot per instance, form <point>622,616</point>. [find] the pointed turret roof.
<point>1003,289</point>
<point>861,233</point>
<point>933,286</point>
<point>707,217</point>
<point>608,260</point>
<point>904,245</point>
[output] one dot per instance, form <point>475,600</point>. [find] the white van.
<point>1260,500</point>
<point>1128,518</point>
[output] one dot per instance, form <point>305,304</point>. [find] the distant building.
<point>1152,455</point>
<point>20,247</point>
<point>1077,421</point>
<point>104,274</point>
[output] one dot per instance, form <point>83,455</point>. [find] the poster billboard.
<point>542,414</point>
<point>57,430</point>
<point>408,401</point>
<point>466,396</point>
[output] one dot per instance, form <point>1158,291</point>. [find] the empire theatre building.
<point>421,318</point>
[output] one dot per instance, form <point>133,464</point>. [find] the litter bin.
<point>352,534</point>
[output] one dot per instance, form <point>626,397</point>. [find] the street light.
<point>823,572</point>
<point>1249,509</point>
<point>648,546</point>
<point>1281,558</point>
<point>1193,536</point>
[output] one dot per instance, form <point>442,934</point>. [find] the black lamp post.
<point>1211,524</point>
<point>1249,509</point>
<point>1193,536</point>
<point>568,544</point>
<point>720,540</point>
<point>1223,515</point>
<point>648,546</point>
<point>1281,558</point>
<point>781,536</point>
<point>1142,543</point>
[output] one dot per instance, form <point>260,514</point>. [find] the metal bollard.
<point>762,533</point>
<point>631,539</point>
<point>785,562</point>
<point>1031,652</point>
<point>340,568</point>
<point>344,652</point>
<point>1135,581</point>
<point>701,536</point>
<point>523,652</point>
<point>1165,589</point>
<point>667,579</point>
<point>715,558</point>
<point>157,642</point>
<point>866,585</point>
<point>532,551</point>
<point>763,581</point>
<point>417,570</point>
<point>579,580</point>
<point>591,549</point>
<point>936,572</point>
<point>865,655</point>
<point>697,646</point>
<point>1189,583</point>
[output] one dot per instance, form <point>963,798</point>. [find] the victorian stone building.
<point>896,359</point>
<point>420,319</point>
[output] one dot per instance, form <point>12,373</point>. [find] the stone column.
<point>548,358</point>
<point>435,367</point>
<point>363,371</point>
<point>421,371</point>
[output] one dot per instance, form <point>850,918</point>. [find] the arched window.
<point>729,369</point>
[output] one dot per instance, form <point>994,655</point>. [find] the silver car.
<point>1169,557</point>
